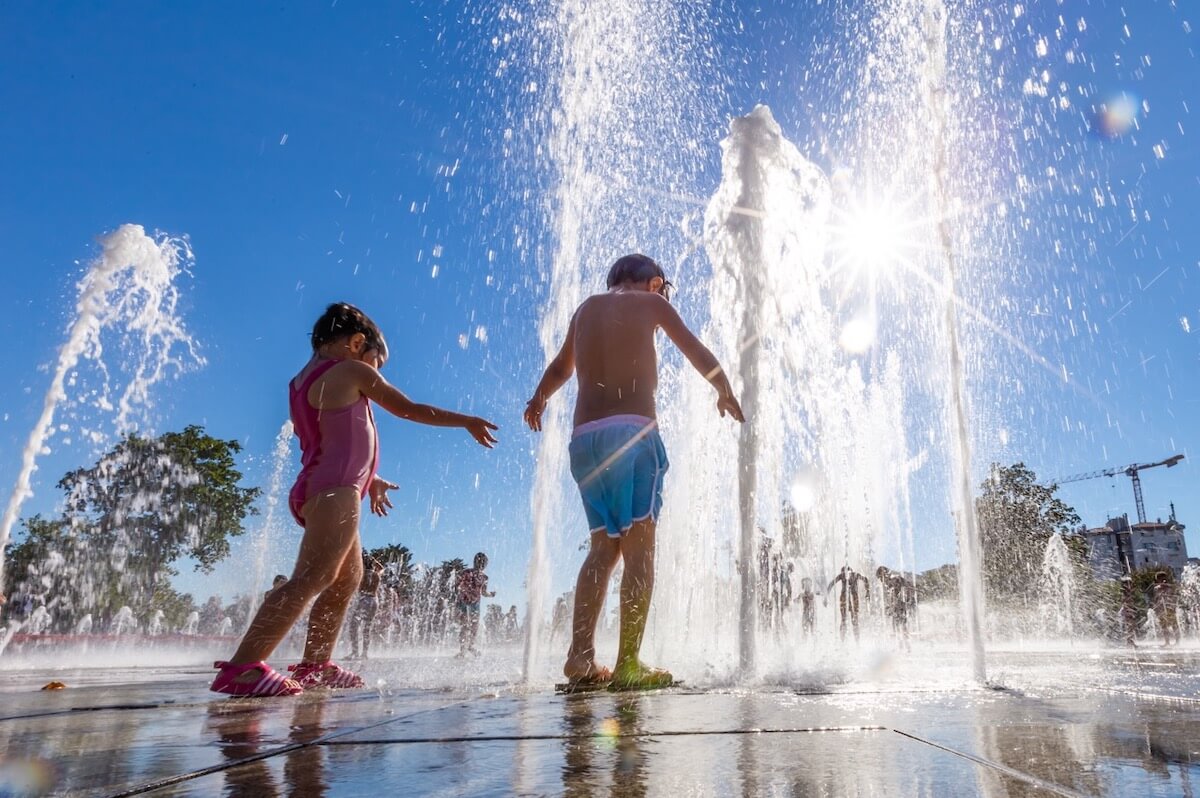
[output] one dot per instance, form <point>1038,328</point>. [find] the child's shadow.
<point>238,730</point>
<point>605,746</point>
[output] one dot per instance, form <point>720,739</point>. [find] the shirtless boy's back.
<point>617,456</point>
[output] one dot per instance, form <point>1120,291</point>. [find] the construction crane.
<point>1130,471</point>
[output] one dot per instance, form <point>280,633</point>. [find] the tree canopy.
<point>128,519</point>
<point>1017,516</point>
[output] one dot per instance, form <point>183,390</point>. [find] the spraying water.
<point>835,382</point>
<point>621,98</point>
<point>123,622</point>
<point>129,288</point>
<point>763,232</point>
<point>969,557</point>
<point>1058,588</point>
<point>269,529</point>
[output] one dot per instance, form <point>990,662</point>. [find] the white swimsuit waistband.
<point>624,419</point>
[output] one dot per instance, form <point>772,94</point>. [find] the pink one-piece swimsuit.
<point>338,448</point>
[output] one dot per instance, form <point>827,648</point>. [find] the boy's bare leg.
<point>590,588</point>
<point>637,586</point>
<point>331,531</point>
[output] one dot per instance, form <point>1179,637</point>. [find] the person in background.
<point>367,604</point>
<point>472,588</point>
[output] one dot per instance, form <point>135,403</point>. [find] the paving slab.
<point>1136,731</point>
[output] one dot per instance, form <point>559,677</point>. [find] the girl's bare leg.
<point>331,530</point>
<point>329,610</point>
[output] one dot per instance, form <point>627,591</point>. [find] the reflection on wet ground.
<point>1108,728</point>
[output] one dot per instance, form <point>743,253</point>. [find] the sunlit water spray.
<point>970,582</point>
<point>618,117</point>
<point>1058,589</point>
<point>832,303</point>
<point>271,529</point>
<point>129,292</point>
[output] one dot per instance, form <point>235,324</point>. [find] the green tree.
<point>129,518</point>
<point>453,566</point>
<point>397,561</point>
<point>1017,515</point>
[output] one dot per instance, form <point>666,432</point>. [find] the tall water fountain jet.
<point>130,289</point>
<point>618,103</point>
<point>763,231</point>
<point>970,559</point>
<point>269,530</point>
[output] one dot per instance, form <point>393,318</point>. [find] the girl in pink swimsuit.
<point>330,403</point>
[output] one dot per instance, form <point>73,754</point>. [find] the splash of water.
<point>129,288</point>
<point>822,463</point>
<point>123,622</point>
<point>621,100</point>
<point>1058,588</point>
<point>763,232</point>
<point>269,530</point>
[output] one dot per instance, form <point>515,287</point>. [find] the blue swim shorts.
<point>619,463</point>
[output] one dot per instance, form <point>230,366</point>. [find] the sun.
<point>872,236</point>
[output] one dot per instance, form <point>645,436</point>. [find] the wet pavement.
<point>1134,732</point>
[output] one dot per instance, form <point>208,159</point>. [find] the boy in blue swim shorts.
<point>617,456</point>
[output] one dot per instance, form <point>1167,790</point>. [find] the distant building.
<point>1118,547</point>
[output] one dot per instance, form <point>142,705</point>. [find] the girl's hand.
<point>380,503</point>
<point>533,413</point>
<point>480,429</point>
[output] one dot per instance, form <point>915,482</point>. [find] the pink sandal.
<point>324,674</point>
<point>270,684</point>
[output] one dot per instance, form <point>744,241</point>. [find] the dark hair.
<point>481,561</point>
<point>341,320</point>
<point>637,268</point>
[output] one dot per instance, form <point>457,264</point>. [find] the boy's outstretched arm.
<point>703,360</point>
<point>373,386</point>
<point>556,375</point>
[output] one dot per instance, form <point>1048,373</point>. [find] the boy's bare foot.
<point>637,676</point>
<point>586,671</point>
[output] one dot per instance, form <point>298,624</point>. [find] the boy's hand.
<point>480,429</point>
<point>533,413</point>
<point>729,404</point>
<point>378,493</point>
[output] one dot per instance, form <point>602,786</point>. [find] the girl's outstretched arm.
<point>373,386</point>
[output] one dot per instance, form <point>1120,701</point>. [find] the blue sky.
<point>341,150</point>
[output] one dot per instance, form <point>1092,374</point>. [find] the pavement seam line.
<point>1005,769</point>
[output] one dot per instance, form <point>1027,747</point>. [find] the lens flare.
<point>1117,115</point>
